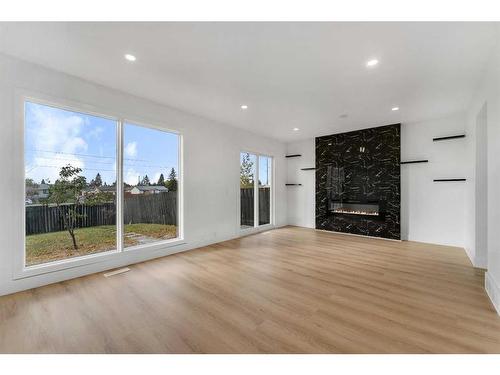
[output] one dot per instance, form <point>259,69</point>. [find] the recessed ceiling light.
<point>130,57</point>
<point>395,109</point>
<point>371,62</point>
<point>244,106</point>
<point>296,129</point>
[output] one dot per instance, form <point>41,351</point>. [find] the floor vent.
<point>117,272</point>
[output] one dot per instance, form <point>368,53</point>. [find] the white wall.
<point>489,92</point>
<point>301,199</point>
<point>479,191</point>
<point>211,166</point>
<point>431,212</point>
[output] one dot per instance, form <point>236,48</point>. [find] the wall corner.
<point>493,290</point>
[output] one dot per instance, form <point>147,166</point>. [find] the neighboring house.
<point>42,191</point>
<point>35,193</point>
<point>146,190</point>
<point>101,189</point>
<point>108,192</point>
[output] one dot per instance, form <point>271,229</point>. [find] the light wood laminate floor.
<point>291,290</point>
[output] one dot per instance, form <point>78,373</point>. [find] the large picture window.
<point>70,192</point>
<point>74,203</point>
<point>255,190</point>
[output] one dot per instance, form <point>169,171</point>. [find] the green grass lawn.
<point>49,247</point>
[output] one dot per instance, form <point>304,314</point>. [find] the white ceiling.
<point>303,75</point>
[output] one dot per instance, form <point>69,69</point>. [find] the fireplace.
<point>358,182</point>
<point>362,209</point>
<point>372,210</point>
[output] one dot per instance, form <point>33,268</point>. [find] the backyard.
<point>49,247</point>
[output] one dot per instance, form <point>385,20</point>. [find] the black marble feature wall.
<point>358,182</point>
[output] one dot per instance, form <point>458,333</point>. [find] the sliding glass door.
<point>255,190</point>
<point>248,166</point>
<point>264,196</point>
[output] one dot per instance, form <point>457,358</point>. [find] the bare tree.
<point>67,194</point>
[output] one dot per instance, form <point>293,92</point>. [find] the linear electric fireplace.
<point>362,209</point>
<point>358,182</point>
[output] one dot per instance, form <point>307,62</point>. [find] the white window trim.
<point>20,270</point>
<point>256,227</point>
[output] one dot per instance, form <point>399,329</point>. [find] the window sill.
<point>260,228</point>
<point>156,245</point>
<point>108,256</point>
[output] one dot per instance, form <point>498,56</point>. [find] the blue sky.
<point>265,165</point>
<point>148,151</point>
<point>56,137</point>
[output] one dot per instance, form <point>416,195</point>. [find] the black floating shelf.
<point>293,156</point>
<point>308,169</point>
<point>449,179</point>
<point>448,137</point>
<point>414,161</point>
<point>293,184</point>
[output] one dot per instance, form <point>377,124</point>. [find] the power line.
<point>102,162</point>
<point>85,155</point>
<point>83,169</point>
<point>107,163</point>
<point>74,154</point>
<point>69,160</point>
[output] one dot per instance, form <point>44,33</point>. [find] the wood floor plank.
<point>290,290</point>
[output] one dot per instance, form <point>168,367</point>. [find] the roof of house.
<point>149,188</point>
<point>107,188</point>
<point>100,188</point>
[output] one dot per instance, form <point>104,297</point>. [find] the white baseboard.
<point>472,258</point>
<point>357,235</point>
<point>477,262</point>
<point>480,262</point>
<point>493,290</point>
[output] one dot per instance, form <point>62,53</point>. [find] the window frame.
<point>180,236</point>
<point>271,192</point>
<point>256,226</point>
<point>121,252</point>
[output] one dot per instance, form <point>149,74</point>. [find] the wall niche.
<point>358,182</point>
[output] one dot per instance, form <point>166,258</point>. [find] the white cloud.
<point>56,138</point>
<point>130,176</point>
<point>95,133</point>
<point>131,149</point>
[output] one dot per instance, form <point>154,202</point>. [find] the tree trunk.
<point>70,230</point>
<point>72,234</point>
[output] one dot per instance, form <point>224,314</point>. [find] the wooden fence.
<point>151,209</point>
<point>247,208</point>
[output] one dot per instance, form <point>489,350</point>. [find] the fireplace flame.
<point>355,212</point>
